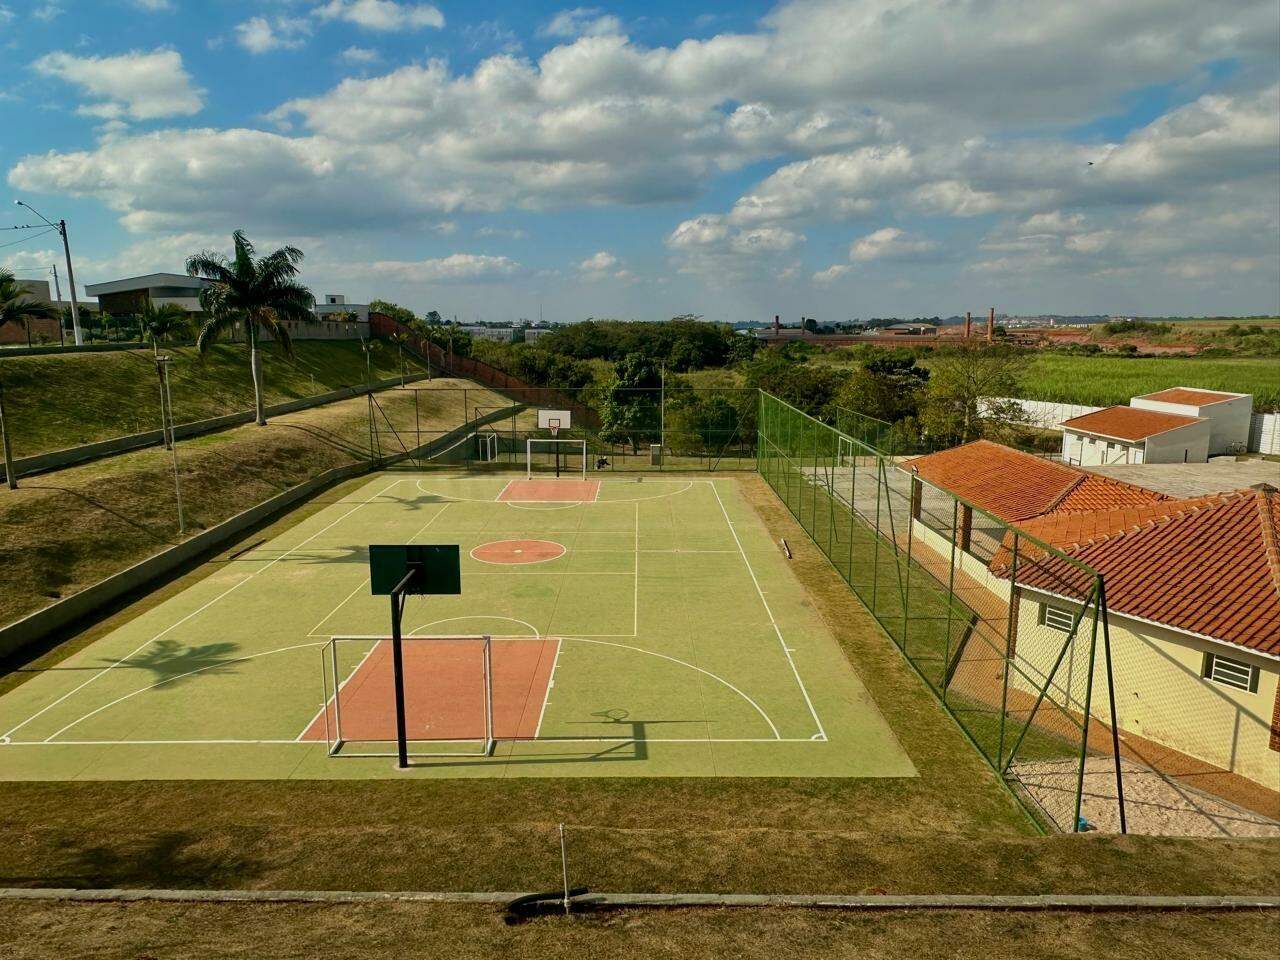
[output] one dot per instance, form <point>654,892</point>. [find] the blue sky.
<point>831,158</point>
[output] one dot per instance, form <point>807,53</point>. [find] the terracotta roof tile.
<point>1185,395</point>
<point>1128,423</point>
<point>1013,485</point>
<point>1208,565</point>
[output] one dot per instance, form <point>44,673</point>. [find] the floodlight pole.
<point>397,666</point>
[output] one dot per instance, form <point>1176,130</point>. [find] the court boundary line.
<point>177,623</point>
<point>822,732</point>
<point>551,682</point>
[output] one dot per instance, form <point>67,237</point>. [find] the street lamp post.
<point>61,227</point>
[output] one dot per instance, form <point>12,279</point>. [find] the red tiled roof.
<point>1128,423</point>
<point>1194,398</point>
<point>1013,485</point>
<point>1208,565</point>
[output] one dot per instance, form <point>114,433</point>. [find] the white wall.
<point>1086,451</point>
<point>1264,433</point>
<point>1189,444</point>
<point>1229,420</point>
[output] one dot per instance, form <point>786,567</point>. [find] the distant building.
<point>334,306</point>
<point>1178,425</point>
<point>131,295</point>
<point>910,329</point>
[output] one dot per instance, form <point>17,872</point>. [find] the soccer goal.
<point>448,694</point>
<point>569,456</point>
<point>486,447</point>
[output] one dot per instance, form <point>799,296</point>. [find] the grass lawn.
<point>36,931</point>
<point>1102,381</point>
<point>70,529</point>
<point>952,828</point>
<point>56,401</point>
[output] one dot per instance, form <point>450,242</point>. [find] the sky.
<point>499,161</point>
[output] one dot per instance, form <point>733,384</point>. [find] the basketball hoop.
<point>555,430</point>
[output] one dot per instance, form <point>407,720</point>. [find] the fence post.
<point>1111,694</point>
<point>9,477</point>
<point>1088,705</point>
<point>1008,646</point>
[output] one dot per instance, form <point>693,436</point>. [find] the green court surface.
<point>661,629</point>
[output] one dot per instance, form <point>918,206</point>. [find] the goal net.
<point>563,457</point>
<point>448,693</point>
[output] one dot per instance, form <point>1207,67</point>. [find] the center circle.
<point>518,551</point>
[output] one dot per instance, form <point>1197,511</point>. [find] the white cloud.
<point>456,268</point>
<point>381,15</point>
<point>6,14</point>
<point>832,273</point>
<point>154,6</point>
<point>506,233</point>
<point>360,55</point>
<point>711,245</point>
<point>47,12</point>
<point>137,85</point>
<point>262,35</point>
<point>582,22</point>
<point>889,243</point>
<point>598,262</point>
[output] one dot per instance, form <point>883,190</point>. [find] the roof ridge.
<point>1268,510</point>
<point>1177,510</point>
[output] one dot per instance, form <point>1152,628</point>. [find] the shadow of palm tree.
<point>161,860</point>
<point>158,537</point>
<point>168,659</point>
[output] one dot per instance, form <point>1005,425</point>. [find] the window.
<point>1056,618</point>
<point>1231,673</point>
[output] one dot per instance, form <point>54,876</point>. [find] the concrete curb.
<point>868,902</point>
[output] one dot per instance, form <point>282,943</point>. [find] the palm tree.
<point>20,307</point>
<point>162,322</point>
<point>260,292</point>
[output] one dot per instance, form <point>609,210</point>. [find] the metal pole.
<point>57,292</point>
<point>71,280</point>
<point>662,411</point>
<point>564,867</point>
<point>1111,694</point>
<point>397,669</point>
<point>167,404</point>
<point>1084,733</point>
<point>9,477</point>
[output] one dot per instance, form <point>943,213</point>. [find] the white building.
<point>1229,414</point>
<point>1134,435</point>
<point>334,306</point>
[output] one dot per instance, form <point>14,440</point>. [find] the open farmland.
<point>1101,381</point>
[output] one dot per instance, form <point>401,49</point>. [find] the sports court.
<point>611,627</point>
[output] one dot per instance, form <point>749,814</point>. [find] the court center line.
<point>199,610</point>
<point>772,619</point>
<point>312,744</point>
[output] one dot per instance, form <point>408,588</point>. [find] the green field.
<point>53,401</point>
<point>684,646</point>
<point>1102,381</point>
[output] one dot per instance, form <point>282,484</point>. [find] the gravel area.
<point>1154,804</point>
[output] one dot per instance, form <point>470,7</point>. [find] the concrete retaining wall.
<point>57,615</point>
<point>57,459</point>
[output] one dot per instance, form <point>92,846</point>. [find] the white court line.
<point>337,689</point>
<point>691,666</point>
<point>311,744</point>
<point>197,611</point>
<point>180,676</point>
<point>421,530</point>
<point>822,733</point>
<point>546,697</point>
<point>635,607</point>
<point>516,563</point>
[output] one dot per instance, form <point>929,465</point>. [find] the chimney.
<point>777,324</point>
<point>991,324</point>
<point>968,324</point>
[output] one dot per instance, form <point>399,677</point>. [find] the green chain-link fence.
<point>1009,633</point>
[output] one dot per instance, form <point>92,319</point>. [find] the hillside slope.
<point>57,401</point>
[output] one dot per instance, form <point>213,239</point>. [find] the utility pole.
<point>57,295</point>
<point>61,227</point>
<point>9,476</point>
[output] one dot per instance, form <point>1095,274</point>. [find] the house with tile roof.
<point>1192,591</point>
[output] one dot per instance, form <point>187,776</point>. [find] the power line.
<point>34,236</point>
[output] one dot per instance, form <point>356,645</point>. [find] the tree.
<point>162,322</point>
<point>19,307</point>
<point>629,410</point>
<point>969,393</point>
<point>394,311</point>
<point>259,292</point>
<point>886,387</point>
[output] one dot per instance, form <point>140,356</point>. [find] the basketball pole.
<point>397,667</point>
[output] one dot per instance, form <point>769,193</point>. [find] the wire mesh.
<point>1003,629</point>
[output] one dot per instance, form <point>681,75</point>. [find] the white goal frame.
<point>487,446</point>
<point>557,445</point>
<point>331,708</point>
